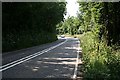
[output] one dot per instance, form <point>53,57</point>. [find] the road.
<point>52,60</point>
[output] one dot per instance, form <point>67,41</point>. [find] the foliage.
<point>99,22</point>
<point>28,24</point>
<point>103,17</point>
<point>102,60</point>
<point>110,18</point>
<point>70,26</point>
<point>102,63</point>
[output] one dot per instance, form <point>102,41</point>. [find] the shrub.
<point>100,60</point>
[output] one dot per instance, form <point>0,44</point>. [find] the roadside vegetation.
<point>100,42</point>
<point>26,24</point>
<point>100,61</point>
<point>98,27</point>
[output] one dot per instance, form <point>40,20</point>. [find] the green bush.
<point>100,61</point>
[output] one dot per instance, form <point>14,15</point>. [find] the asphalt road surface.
<point>52,60</point>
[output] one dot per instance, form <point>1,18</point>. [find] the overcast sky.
<point>72,8</point>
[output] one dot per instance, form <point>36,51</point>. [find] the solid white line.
<point>18,60</point>
<point>75,71</point>
<point>21,59</point>
<point>76,65</point>
<point>14,63</point>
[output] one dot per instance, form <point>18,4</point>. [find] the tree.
<point>102,19</point>
<point>28,24</point>
<point>70,26</point>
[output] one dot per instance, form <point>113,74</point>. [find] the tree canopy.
<point>30,23</point>
<point>102,18</point>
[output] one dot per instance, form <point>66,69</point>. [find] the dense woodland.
<point>101,56</point>
<point>93,15</point>
<point>98,25</point>
<point>27,24</point>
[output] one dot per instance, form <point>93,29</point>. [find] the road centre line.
<point>14,63</point>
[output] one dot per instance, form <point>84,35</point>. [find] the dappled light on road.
<point>57,63</point>
<point>71,48</point>
<point>71,61</point>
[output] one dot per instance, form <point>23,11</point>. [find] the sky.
<point>72,8</point>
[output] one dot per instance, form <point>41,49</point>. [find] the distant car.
<point>62,36</point>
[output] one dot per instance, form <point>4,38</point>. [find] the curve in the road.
<point>14,63</point>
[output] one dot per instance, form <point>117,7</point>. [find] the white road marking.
<point>76,65</point>
<point>14,63</point>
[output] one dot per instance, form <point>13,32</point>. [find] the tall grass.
<point>100,60</point>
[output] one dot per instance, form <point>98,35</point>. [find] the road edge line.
<point>77,60</point>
